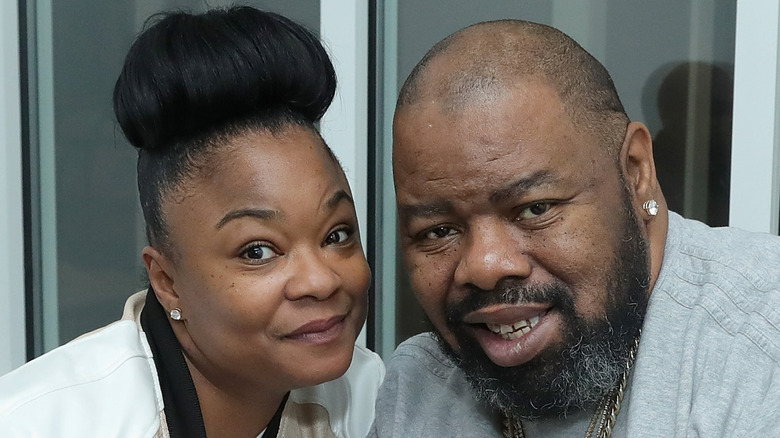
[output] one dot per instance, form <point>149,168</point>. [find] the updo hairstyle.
<point>190,83</point>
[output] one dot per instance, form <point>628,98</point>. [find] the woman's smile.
<point>319,331</point>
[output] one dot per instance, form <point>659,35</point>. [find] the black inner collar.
<point>182,408</point>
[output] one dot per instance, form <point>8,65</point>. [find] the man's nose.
<point>312,276</point>
<point>493,251</point>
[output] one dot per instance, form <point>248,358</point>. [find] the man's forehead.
<point>507,113</point>
<point>525,130</point>
<point>476,61</point>
<point>455,86</point>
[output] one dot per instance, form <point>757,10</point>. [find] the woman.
<point>257,276</point>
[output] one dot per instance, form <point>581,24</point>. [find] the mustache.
<point>511,291</point>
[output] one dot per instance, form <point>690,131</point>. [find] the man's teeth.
<point>514,331</point>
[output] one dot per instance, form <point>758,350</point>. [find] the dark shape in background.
<point>695,103</point>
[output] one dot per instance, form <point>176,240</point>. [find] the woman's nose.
<point>312,276</point>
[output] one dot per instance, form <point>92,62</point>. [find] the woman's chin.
<point>323,369</point>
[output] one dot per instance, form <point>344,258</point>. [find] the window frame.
<point>12,292</point>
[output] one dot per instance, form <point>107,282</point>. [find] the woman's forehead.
<point>260,169</point>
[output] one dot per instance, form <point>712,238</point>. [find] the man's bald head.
<point>476,63</point>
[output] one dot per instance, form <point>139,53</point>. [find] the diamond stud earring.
<point>176,314</point>
<point>651,207</point>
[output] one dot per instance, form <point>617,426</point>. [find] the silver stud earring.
<point>651,207</point>
<point>176,314</point>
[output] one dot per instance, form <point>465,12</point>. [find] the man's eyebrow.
<point>442,207</point>
<point>257,213</point>
<point>522,185</point>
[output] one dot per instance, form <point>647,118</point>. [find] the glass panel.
<point>755,159</point>
<point>91,228</point>
<point>672,63</point>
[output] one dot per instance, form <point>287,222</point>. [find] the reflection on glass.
<point>695,106</point>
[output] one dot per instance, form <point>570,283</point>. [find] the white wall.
<point>12,333</point>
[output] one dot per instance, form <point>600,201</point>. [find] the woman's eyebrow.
<point>258,213</point>
<point>270,214</point>
<point>337,197</point>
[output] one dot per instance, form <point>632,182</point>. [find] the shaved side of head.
<point>477,63</point>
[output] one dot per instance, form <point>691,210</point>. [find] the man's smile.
<point>512,334</point>
<point>514,330</point>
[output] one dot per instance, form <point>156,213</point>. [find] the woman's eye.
<point>534,210</point>
<point>338,236</point>
<point>438,232</point>
<point>258,252</point>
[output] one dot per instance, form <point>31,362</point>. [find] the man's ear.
<point>638,166</point>
<point>161,277</point>
<point>636,159</point>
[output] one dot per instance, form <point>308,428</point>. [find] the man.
<point>567,300</point>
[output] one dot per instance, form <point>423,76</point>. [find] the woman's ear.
<point>161,277</point>
<point>638,165</point>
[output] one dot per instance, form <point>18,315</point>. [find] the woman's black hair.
<point>190,81</point>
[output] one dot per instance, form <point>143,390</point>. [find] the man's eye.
<point>534,210</point>
<point>258,252</point>
<point>338,236</point>
<point>439,232</point>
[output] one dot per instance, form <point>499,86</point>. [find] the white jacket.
<point>104,384</point>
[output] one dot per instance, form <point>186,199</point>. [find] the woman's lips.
<point>319,331</point>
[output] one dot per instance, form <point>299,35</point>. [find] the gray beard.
<point>592,356</point>
<point>569,388</point>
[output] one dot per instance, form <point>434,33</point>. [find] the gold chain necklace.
<point>606,411</point>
